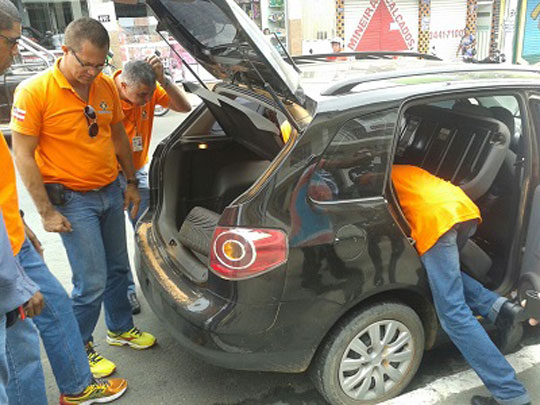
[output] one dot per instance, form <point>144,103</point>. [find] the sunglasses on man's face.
<point>91,118</point>
<point>11,41</point>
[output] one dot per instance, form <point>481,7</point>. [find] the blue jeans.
<point>57,326</point>
<point>458,297</point>
<point>144,191</point>
<point>26,382</point>
<point>4,370</point>
<point>97,253</point>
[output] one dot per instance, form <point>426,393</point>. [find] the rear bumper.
<point>222,332</point>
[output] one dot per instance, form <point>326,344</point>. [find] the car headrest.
<point>466,107</point>
<point>507,118</point>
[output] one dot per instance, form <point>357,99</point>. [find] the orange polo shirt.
<point>8,198</point>
<point>139,120</point>
<point>431,205</point>
<point>48,107</point>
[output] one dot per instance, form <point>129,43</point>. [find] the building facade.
<point>426,26</point>
<point>308,26</point>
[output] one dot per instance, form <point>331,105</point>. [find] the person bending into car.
<point>139,94</point>
<point>68,140</point>
<point>442,219</point>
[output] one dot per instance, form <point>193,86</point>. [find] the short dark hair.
<point>86,29</point>
<point>8,15</point>
<point>139,71</point>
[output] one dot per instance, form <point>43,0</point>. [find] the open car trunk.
<point>475,148</point>
<point>217,156</point>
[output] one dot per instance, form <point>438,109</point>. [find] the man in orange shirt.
<point>51,310</point>
<point>139,95</point>
<point>442,218</point>
<point>68,140</point>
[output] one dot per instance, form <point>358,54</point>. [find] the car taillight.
<point>239,253</point>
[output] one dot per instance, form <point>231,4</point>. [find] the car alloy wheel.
<point>376,360</point>
<point>370,355</point>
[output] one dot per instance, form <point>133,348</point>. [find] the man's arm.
<point>24,147</point>
<point>125,158</point>
<point>178,99</point>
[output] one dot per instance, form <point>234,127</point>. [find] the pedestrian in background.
<point>139,95</point>
<point>467,46</point>
<point>68,140</point>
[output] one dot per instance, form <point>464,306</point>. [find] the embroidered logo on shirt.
<point>103,105</point>
<point>144,115</point>
<point>18,114</point>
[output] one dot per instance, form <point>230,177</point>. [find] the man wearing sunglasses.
<point>68,140</point>
<point>139,94</point>
<point>21,375</point>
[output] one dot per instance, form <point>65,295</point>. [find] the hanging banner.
<point>531,38</point>
<point>528,48</point>
<point>383,25</point>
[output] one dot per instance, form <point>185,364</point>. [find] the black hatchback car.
<point>290,253</point>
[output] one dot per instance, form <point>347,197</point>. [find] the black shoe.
<point>479,400</point>
<point>134,302</point>
<point>510,328</point>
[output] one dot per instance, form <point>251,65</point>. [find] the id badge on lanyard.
<point>137,143</point>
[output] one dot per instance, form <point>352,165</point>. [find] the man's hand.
<point>53,221</point>
<point>156,64</point>
<point>532,321</point>
<point>33,238</point>
<point>34,306</point>
<point>132,197</point>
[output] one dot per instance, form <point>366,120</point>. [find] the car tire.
<point>198,229</point>
<point>340,373</point>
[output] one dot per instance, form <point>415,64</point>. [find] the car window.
<point>355,162</point>
<point>206,22</point>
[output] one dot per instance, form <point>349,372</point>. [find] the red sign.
<point>382,28</point>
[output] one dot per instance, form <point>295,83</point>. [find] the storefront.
<point>426,26</point>
<point>381,25</point>
<point>447,27</point>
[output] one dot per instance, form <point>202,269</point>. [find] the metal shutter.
<point>448,18</point>
<point>396,30</point>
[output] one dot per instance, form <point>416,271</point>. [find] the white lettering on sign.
<point>399,23</point>
<point>104,18</point>
<point>363,23</point>
<point>398,18</point>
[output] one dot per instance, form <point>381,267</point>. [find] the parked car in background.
<point>32,59</point>
<point>274,251</point>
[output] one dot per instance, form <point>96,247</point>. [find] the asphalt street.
<point>167,374</point>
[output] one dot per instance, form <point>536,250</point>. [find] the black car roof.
<point>327,80</point>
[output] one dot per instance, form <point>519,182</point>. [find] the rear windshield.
<point>204,20</point>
